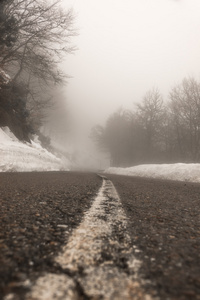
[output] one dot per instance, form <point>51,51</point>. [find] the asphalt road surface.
<point>164,223</point>
<point>67,235</point>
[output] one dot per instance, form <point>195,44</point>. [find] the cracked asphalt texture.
<point>163,220</point>
<point>164,224</point>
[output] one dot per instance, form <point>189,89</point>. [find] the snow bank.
<point>16,156</point>
<point>180,171</point>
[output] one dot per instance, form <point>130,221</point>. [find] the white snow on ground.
<point>179,171</point>
<point>16,156</point>
<point>22,157</point>
<point>4,78</point>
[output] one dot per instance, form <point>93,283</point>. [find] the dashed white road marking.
<point>99,255</point>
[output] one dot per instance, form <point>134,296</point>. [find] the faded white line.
<point>54,286</point>
<point>95,254</point>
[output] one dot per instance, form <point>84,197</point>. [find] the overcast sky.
<point>127,47</point>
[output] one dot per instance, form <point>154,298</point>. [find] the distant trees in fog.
<point>155,131</point>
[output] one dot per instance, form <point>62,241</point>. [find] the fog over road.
<point>66,235</point>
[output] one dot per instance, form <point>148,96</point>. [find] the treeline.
<point>34,36</point>
<point>155,131</point>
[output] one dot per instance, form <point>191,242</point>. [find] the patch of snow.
<point>7,134</point>
<point>4,77</point>
<point>178,171</point>
<point>16,156</point>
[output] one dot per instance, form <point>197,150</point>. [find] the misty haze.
<point>99,149</point>
<point>102,84</point>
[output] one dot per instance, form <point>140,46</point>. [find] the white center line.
<point>99,255</point>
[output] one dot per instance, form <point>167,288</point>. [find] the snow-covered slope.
<point>21,157</point>
<point>180,171</point>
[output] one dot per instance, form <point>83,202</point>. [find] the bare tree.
<point>39,36</point>
<point>150,115</point>
<point>43,35</point>
<point>157,132</point>
<point>185,108</point>
<point>8,29</point>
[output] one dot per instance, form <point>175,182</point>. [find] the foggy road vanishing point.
<point>73,236</point>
